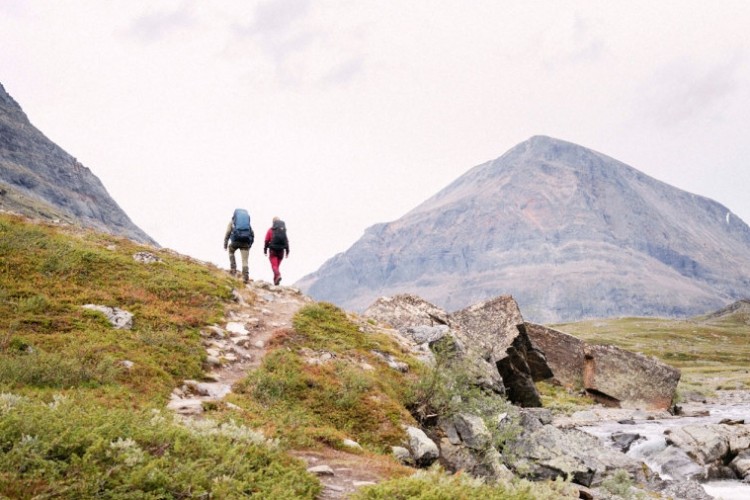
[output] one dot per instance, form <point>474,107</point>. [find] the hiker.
<point>239,236</point>
<point>277,247</point>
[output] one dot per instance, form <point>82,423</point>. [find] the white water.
<point>653,432</point>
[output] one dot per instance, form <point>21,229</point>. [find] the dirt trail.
<point>237,347</point>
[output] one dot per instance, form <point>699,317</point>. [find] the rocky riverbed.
<point>704,441</point>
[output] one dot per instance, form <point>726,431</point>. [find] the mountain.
<point>39,179</point>
<point>569,232</point>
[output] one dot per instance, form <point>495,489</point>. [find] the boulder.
<point>711,444</point>
<point>563,353</point>
<point>423,449</point>
<point>741,465</point>
<point>495,329</point>
<point>545,452</point>
<point>617,377</point>
<point>675,464</point>
<point>469,430</point>
<point>487,464</point>
<point>424,323</point>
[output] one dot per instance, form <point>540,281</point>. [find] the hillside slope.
<point>40,179</point>
<point>569,232</point>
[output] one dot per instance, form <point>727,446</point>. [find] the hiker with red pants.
<point>277,247</point>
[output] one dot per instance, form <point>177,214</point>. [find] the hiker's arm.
<point>226,235</point>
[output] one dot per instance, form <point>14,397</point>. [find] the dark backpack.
<point>278,238</point>
<point>242,233</point>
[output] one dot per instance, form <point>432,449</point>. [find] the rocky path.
<point>237,347</point>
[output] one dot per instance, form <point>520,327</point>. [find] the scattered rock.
<point>350,443</point>
<point>623,441</point>
<point>118,318</point>
<point>392,362</point>
<point>146,258</point>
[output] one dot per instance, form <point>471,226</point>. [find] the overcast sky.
<point>339,114</point>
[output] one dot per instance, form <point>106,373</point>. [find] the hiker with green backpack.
<point>239,236</point>
<point>276,247</point>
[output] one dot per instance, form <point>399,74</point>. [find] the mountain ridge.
<point>570,232</point>
<point>40,179</point>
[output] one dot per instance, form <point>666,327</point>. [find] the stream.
<point>653,441</point>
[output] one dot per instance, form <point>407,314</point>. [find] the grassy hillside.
<point>78,422</point>
<point>713,352</point>
<point>82,405</point>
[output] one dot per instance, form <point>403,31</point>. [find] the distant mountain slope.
<point>569,232</point>
<point>39,179</point>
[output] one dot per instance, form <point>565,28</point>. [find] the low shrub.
<point>66,449</point>
<point>437,485</point>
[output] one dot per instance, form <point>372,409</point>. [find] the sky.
<point>339,114</point>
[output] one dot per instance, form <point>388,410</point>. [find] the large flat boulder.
<point>563,353</point>
<point>495,328</point>
<point>629,380</point>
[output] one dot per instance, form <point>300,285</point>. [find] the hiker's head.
<point>276,219</point>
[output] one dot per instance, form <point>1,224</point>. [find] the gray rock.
<point>423,449</point>
<point>547,452</point>
<point>402,455</point>
<point>118,318</point>
<point>392,362</point>
<point>424,334</point>
<point>349,443</point>
<point>741,465</point>
<point>186,406</point>
<point>711,444</point>
<point>146,258</point>
<point>677,465</point>
<point>321,470</point>
<point>472,431</point>
<point>494,329</point>
<point>485,463</point>
<point>684,490</point>
<point>623,440</point>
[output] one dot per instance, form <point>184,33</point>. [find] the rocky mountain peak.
<point>569,232</point>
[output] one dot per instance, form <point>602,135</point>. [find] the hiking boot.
<point>233,272</point>
<point>245,275</point>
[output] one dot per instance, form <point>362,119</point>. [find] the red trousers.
<point>275,256</point>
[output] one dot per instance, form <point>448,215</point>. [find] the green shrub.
<point>65,449</point>
<point>437,485</point>
<point>448,387</point>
